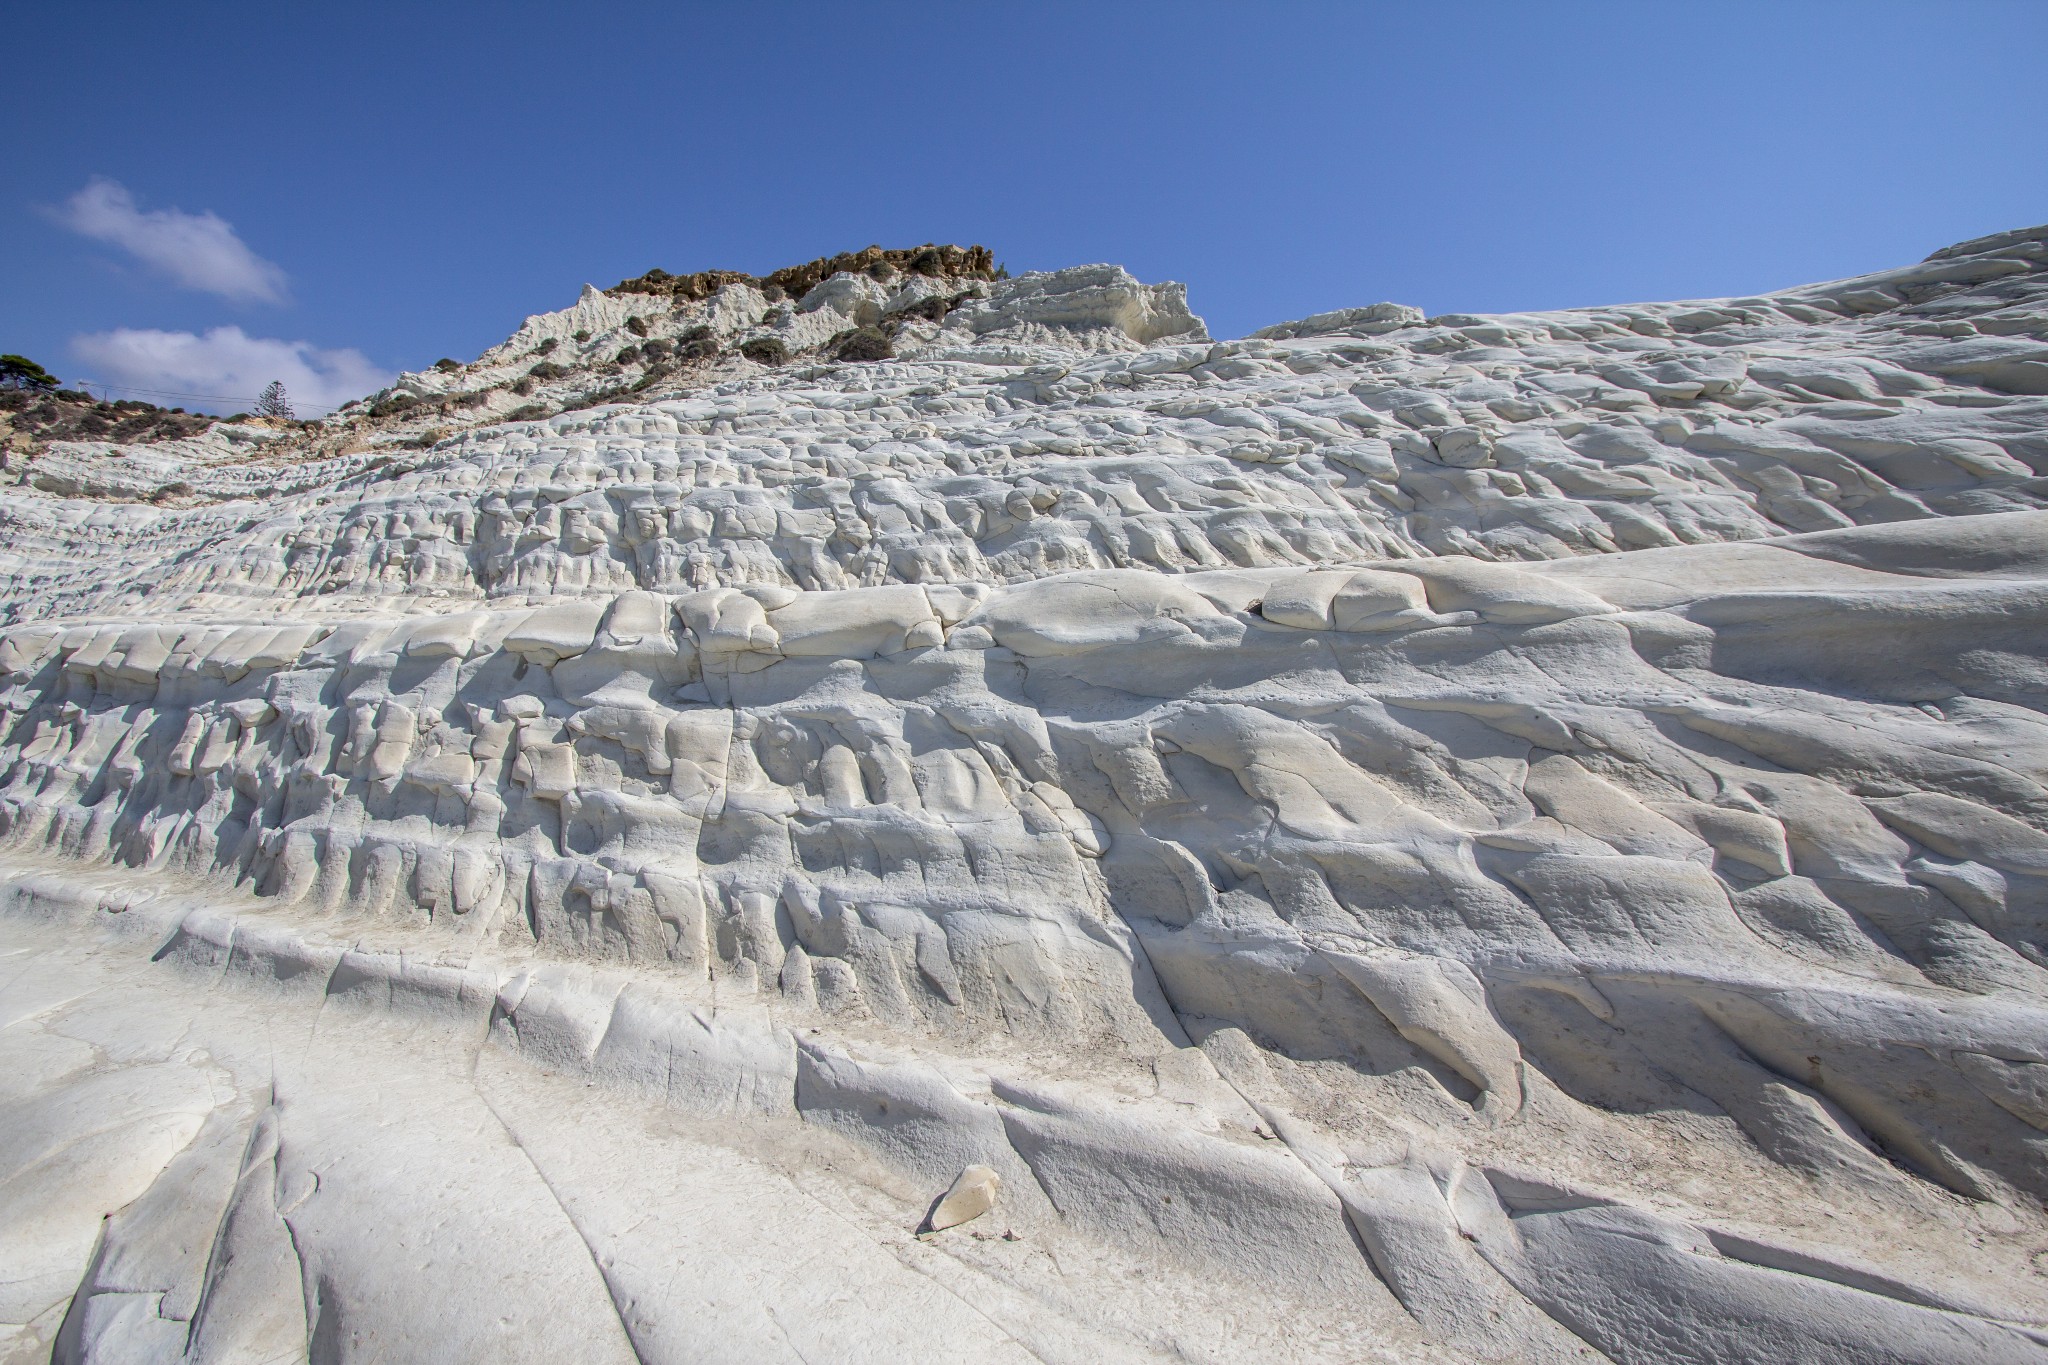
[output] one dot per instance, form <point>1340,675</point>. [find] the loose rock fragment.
<point>973,1194</point>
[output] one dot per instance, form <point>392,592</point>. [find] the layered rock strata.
<point>1513,838</point>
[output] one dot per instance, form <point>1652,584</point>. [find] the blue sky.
<point>200,197</point>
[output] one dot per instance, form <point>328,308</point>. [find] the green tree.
<point>272,402</point>
<point>19,372</point>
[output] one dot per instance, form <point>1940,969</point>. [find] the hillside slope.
<point>1500,838</point>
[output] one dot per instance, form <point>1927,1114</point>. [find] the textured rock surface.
<point>1514,838</point>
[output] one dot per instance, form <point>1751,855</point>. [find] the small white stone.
<point>973,1194</point>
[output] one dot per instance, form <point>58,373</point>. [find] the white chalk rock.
<point>556,632</point>
<point>1509,837</point>
<point>973,1193</point>
<point>856,624</point>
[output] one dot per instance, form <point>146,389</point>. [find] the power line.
<point>200,397</point>
<point>243,403</point>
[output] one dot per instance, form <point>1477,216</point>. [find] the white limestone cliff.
<point>1457,838</point>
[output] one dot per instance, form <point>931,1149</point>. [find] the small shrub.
<point>546,346</point>
<point>611,393</point>
<point>765,350</point>
<point>523,386</point>
<point>864,344</point>
<point>703,348</point>
<point>547,369</point>
<point>657,348</point>
<point>446,365</point>
<point>528,413</point>
<point>627,355</point>
<point>697,333</point>
<point>637,326</point>
<point>432,436</point>
<point>583,334</point>
<point>931,309</point>
<point>385,407</point>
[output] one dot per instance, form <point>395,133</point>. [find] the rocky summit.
<point>890,811</point>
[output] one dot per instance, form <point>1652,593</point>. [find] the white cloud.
<point>225,369</point>
<point>197,250</point>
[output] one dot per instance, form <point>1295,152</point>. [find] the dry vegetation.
<point>938,262</point>
<point>30,420</point>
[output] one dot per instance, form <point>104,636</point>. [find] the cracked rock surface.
<point>1402,838</point>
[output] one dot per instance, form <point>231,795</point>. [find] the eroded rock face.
<point>1516,838</point>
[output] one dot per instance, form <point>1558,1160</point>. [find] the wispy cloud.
<point>197,250</point>
<point>224,369</point>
